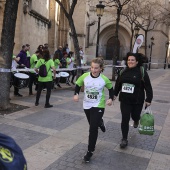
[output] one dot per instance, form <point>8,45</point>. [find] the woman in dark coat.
<point>131,85</point>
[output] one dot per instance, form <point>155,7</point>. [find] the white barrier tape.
<point>156,63</point>
<point>64,69</point>
<point>5,70</point>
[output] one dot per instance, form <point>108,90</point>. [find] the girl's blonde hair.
<point>100,61</point>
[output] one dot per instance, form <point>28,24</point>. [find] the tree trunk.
<point>6,50</point>
<point>76,46</point>
<point>146,35</point>
<point>131,40</point>
<point>116,49</point>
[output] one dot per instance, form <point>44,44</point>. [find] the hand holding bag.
<point>146,123</point>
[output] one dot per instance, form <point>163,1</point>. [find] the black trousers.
<point>73,73</point>
<point>127,111</point>
<point>31,81</point>
<point>94,116</point>
<point>41,85</point>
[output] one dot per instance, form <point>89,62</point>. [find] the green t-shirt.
<point>67,60</point>
<point>33,61</point>
<point>56,63</point>
<point>94,95</point>
<point>28,54</point>
<point>48,64</point>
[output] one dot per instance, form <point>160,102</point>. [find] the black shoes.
<point>87,157</point>
<point>73,83</point>
<point>31,93</point>
<point>135,124</point>
<point>19,95</point>
<point>102,126</point>
<point>48,105</point>
<point>68,84</point>
<point>123,143</point>
<point>59,85</point>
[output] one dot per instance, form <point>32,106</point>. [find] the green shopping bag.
<point>146,123</point>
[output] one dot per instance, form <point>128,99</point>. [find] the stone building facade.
<point>39,22</point>
<point>107,30</point>
<point>42,21</point>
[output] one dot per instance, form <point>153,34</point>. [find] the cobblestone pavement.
<point>56,138</point>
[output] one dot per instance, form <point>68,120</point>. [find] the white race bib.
<point>128,88</point>
<point>92,96</point>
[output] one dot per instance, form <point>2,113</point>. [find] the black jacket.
<point>134,76</point>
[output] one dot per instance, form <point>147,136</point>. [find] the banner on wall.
<point>138,43</point>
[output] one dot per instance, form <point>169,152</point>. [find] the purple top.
<point>23,58</point>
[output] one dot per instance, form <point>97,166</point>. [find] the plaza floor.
<point>56,138</point>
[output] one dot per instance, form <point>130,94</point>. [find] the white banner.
<point>138,43</point>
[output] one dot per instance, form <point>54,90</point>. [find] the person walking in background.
<point>40,49</point>
<point>45,81</point>
<point>33,75</point>
<point>70,60</point>
<point>123,62</point>
<point>65,62</point>
<point>66,49</point>
<point>81,52</point>
<point>45,46</point>
<point>131,85</point>
<point>57,64</point>
<point>60,52</point>
<point>94,100</point>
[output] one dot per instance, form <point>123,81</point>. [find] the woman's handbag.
<point>146,123</point>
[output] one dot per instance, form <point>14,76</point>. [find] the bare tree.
<point>131,17</point>
<point>149,16</point>
<point>69,15</point>
<point>145,14</point>
<point>119,5</point>
<point>6,49</point>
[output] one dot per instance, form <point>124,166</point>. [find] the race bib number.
<point>128,88</point>
<point>92,96</point>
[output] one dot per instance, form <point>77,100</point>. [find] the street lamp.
<point>99,11</point>
<point>150,46</point>
<point>167,45</point>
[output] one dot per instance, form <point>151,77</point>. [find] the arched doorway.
<point>110,48</point>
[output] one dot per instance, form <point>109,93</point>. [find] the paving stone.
<point>31,99</point>
<point>72,106</point>
<point>51,119</point>
<point>103,159</point>
<point>113,134</point>
<point>24,138</point>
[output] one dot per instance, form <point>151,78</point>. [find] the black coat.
<point>134,76</point>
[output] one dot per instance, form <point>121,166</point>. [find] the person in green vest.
<point>32,74</point>
<point>65,62</point>
<point>45,81</point>
<point>57,64</point>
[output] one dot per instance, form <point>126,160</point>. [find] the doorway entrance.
<point>110,48</point>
